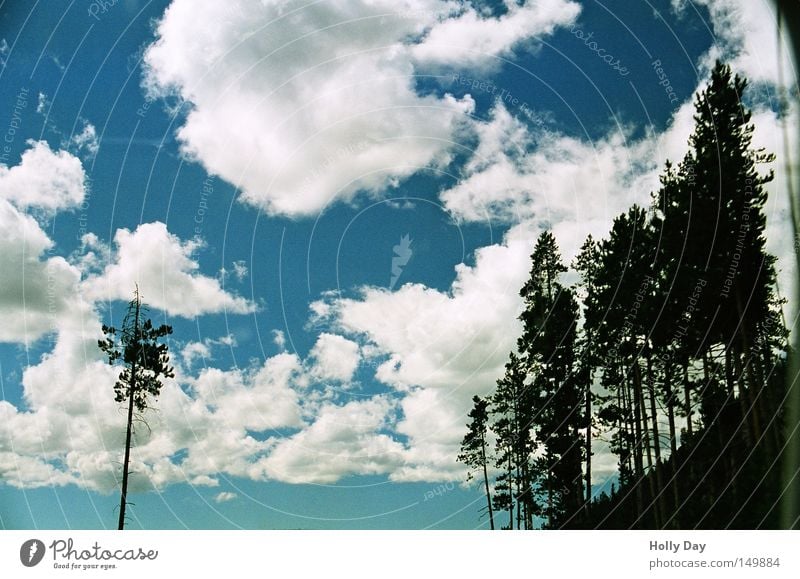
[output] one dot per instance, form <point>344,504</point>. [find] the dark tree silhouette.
<point>682,348</point>
<point>473,447</point>
<point>513,445</point>
<point>145,362</point>
<point>587,264</point>
<point>548,348</point>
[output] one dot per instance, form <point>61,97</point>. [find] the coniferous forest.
<point>669,352</point>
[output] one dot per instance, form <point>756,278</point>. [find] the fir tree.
<point>146,362</point>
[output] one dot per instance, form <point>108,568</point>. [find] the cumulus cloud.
<point>334,358</point>
<point>253,400</point>
<point>344,440</point>
<point>167,274</point>
<point>471,39</point>
<point>37,286</point>
<point>300,104</point>
<point>70,421</point>
<point>572,185</point>
<point>441,347</point>
<point>747,37</point>
<point>44,179</point>
<point>85,141</point>
<point>225,497</point>
<point>71,430</point>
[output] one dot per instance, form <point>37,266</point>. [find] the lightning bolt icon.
<point>402,254</point>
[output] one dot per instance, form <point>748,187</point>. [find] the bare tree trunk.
<point>728,370</point>
<point>486,483</point>
<point>588,446</point>
<point>687,396</point>
<point>640,402</point>
<point>737,367</point>
<point>128,435</point>
<point>656,441</point>
<point>637,449</point>
<point>670,395</point>
<point>673,437</point>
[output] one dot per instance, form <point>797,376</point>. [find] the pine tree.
<point>548,345</point>
<point>473,447</point>
<point>587,264</point>
<point>145,363</point>
<point>511,426</point>
<point>729,189</point>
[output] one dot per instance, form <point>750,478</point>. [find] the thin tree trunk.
<point>486,483</point>
<point>128,435</point>
<point>656,441</point>
<point>753,392</point>
<point>687,396</point>
<point>637,449</point>
<point>588,446</point>
<point>124,494</point>
<point>673,437</point>
<point>640,400</point>
<point>737,367</point>
<point>769,404</point>
<point>728,370</point>
<point>510,490</point>
<point>670,395</point>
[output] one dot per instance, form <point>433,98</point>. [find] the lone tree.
<point>473,447</point>
<point>146,362</point>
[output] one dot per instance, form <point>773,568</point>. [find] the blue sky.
<point>256,167</point>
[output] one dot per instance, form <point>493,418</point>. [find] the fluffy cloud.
<point>344,440</point>
<point>167,274</point>
<point>257,400</point>
<point>72,431</point>
<point>470,38</point>
<point>746,35</point>
<point>442,347</point>
<point>225,497</point>
<point>334,358</point>
<point>300,104</point>
<point>44,179</point>
<point>572,185</point>
<point>71,420</point>
<point>85,141</point>
<point>36,287</point>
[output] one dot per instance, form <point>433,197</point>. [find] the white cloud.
<point>344,440</point>
<point>252,400</point>
<point>279,338</point>
<point>44,179</point>
<point>746,35</point>
<point>72,431</point>
<point>167,274</point>
<point>194,351</point>
<point>334,358</point>
<point>42,103</point>
<point>240,270</point>
<point>225,496</point>
<point>86,141</point>
<point>442,347</point>
<point>472,40</point>
<point>573,186</point>
<point>71,420</point>
<point>300,104</point>
<point>37,287</point>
